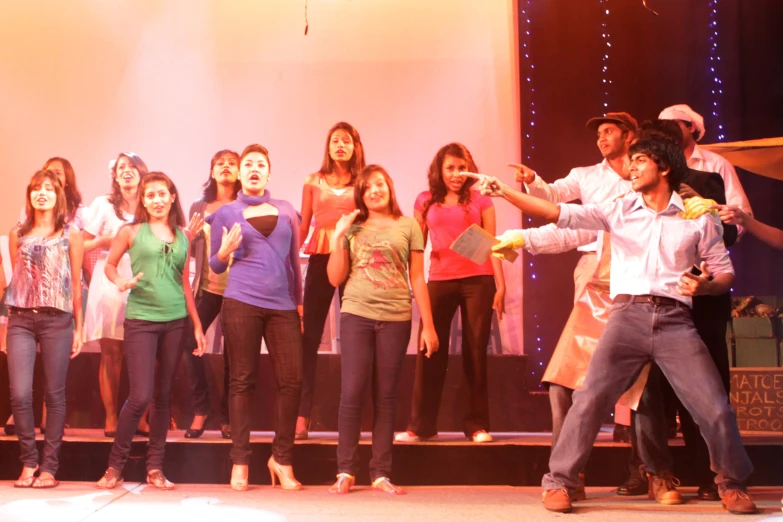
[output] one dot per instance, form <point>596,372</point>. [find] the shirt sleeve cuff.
<point>565,216</point>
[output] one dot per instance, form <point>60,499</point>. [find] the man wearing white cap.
<point>692,125</point>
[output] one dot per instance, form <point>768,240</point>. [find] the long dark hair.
<point>356,164</point>
<point>361,187</point>
<point>176,217</point>
<point>115,198</point>
<point>438,189</point>
<point>73,198</point>
<point>210,187</point>
<point>60,205</point>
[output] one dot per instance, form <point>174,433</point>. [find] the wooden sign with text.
<point>757,397</point>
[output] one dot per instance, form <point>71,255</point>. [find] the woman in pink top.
<point>327,195</point>
<point>444,212</point>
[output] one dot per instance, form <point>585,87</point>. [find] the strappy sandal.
<point>343,485</point>
<point>385,485</point>
<point>157,479</point>
<point>26,482</point>
<point>110,479</point>
<point>45,482</point>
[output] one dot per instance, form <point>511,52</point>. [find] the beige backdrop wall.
<point>175,81</point>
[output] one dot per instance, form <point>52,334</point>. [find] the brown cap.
<point>620,118</point>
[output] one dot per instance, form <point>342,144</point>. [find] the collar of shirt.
<point>697,158</point>
<point>674,201</point>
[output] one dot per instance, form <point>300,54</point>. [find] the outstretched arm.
<point>734,215</point>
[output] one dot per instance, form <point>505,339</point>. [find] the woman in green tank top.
<point>156,320</point>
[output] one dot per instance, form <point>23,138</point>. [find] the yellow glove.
<point>510,240</point>
<point>696,207</point>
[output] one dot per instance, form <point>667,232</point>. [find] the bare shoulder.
<point>313,179</point>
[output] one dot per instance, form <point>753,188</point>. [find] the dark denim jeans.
<point>318,295</point>
<point>244,326</point>
<point>635,334</point>
<point>53,330</point>
<point>473,296</point>
<point>208,307</point>
<point>650,426</point>
<point>372,352</point>
<point>145,343</point>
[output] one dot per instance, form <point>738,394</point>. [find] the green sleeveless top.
<point>158,296</point>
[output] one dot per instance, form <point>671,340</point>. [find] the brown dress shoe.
<point>663,489</point>
<point>557,500</point>
<point>635,485</point>
<point>708,492</point>
<point>738,502</point>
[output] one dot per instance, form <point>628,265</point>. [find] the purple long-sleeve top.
<point>265,270</point>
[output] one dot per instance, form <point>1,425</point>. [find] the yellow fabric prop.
<point>696,207</point>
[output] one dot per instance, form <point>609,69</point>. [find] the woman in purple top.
<point>262,300</point>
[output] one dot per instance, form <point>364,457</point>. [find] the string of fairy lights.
<point>717,84</point>
<point>607,44</point>
<point>528,95</point>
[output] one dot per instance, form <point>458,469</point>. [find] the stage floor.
<point>604,439</point>
<point>134,502</point>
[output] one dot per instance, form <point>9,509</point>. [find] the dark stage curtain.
<point>654,62</point>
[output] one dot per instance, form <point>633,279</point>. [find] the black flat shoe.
<point>110,434</point>
<point>709,492</point>
<point>621,433</point>
<point>190,433</point>
<point>142,433</point>
<point>10,429</point>
<point>632,487</point>
<point>225,431</point>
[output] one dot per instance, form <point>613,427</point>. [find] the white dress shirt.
<point>552,240</point>
<point>708,161</point>
<point>593,185</point>
<point>651,250</point>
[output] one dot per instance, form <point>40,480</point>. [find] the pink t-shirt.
<point>444,224</point>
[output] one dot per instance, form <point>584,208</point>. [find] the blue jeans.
<point>53,330</point>
<point>372,352</point>
<point>635,334</point>
<point>145,343</point>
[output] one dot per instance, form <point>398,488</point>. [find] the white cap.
<point>684,113</point>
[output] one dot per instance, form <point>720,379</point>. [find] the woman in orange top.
<point>326,196</point>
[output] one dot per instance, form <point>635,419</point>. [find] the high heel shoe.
<point>225,431</point>
<point>284,474</point>
<point>343,485</point>
<point>191,433</point>
<point>157,479</point>
<point>385,485</point>
<point>241,483</point>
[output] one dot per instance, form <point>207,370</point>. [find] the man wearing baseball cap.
<point>595,184</point>
<point>692,126</point>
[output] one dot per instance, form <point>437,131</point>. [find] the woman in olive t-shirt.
<point>374,247</point>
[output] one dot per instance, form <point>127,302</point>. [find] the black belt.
<point>656,300</point>
<point>40,310</point>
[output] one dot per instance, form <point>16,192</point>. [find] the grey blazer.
<point>197,245</point>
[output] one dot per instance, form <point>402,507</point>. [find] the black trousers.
<point>318,295</point>
<point>208,307</point>
<point>473,296</point>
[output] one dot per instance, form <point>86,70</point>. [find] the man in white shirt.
<point>653,250</point>
<point>594,184</point>
<point>692,126</point>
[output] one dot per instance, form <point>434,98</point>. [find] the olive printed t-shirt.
<point>377,286</point>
